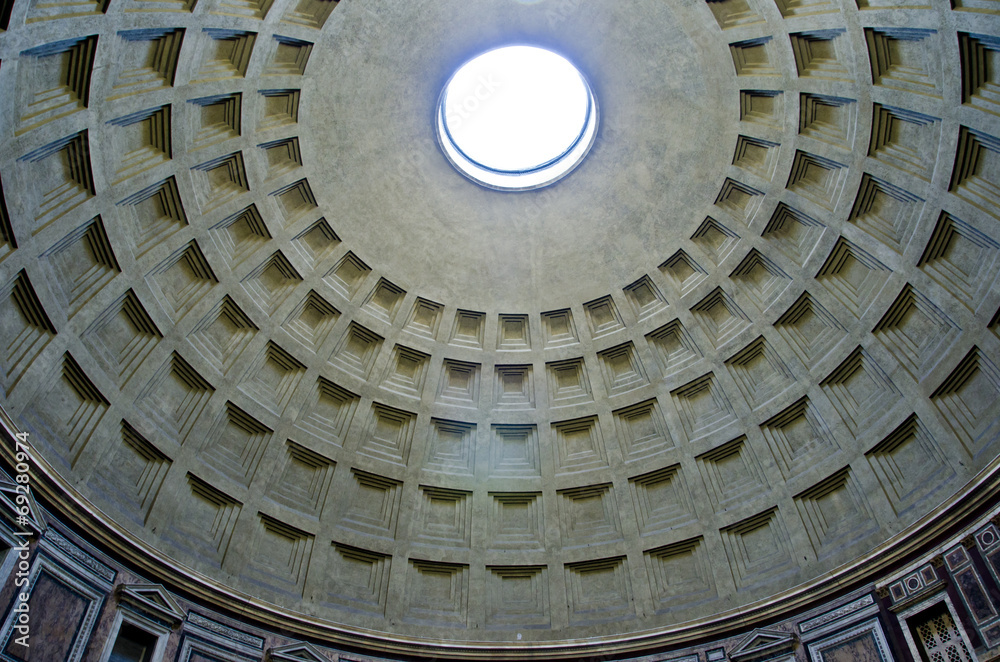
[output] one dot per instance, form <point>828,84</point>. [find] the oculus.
<point>516,118</point>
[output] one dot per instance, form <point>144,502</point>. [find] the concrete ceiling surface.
<point>284,356</point>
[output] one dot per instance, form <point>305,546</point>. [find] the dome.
<point>273,350</point>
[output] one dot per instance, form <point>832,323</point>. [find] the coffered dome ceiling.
<point>273,349</point>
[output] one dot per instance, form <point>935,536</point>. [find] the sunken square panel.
<point>755,57</point>
<point>739,199</point>
<point>905,59</point>
<point>673,347</point>
<point>272,378</point>
<point>311,320</point>
<point>622,369</point>
<point>281,556</point>
<point>811,329</point>
<point>358,580</point>
<point>762,279</point>
<point>133,474</point>
<point>962,260</point>
<point>731,473</point>
<point>438,594</point>
<point>444,517</point>
<point>406,371</point>
<point>54,80</point>
<point>146,60</point>
<point>174,397</point>
<point>295,201</point>
<point>217,119</point>
<point>905,139</point>
<point>799,438</point>
<point>910,465</point>
<point>316,243</point>
<point>281,156</point>
<point>236,445</point>
<point>515,520</point>
<point>703,407</point>
<point>756,156</point>
<point>271,282</point>
<point>61,179</point>
<point>598,591</point>
<point>514,387</point>
<point>680,575</point>
<point>645,298</point>
<point>384,301</point>
<point>303,481</point>
<point>683,272</point>
<point>759,372</point>
<point>588,515</point>
<point>26,325</point>
<point>662,500</point>
<point>603,316</point>
<point>734,13</point>
<point>280,108</point>
<point>224,54</point>
<point>854,276</point>
<point>451,448</point>
<point>514,452</point>
<point>836,513</point>
<point>222,334</point>
<point>860,390</point>
<point>467,329</point>
<point>721,317</point>
<point>976,174</point>
<point>559,329</point>
<point>717,240</point>
<point>916,331</point>
<point>204,522</point>
<point>579,445</point>
<point>289,57</point>
<point>459,383</point>
<point>794,233</point>
<point>222,179</point>
<point>758,549</point>
<point>240,235</point>
<point>373,504</point>
<point>153,214</point>
<point>821,54</point>
<point>968,399</point>
<point>182,279</point>
<point>357,350</point>
<point>122,336</point>
<point>81,264</point>
<point>569,383</point>
<point>309,13</point>
<point>425,318</point>
<point>389,435</point>
<point>642,431</point>
<point>887,212</point>
<point>513,333</point>
<point>818,179</point>
<point>830,119</point>
<point>765,107</point>
<point>347,275</point>
<point>141,142</point>
<point>517,597</point>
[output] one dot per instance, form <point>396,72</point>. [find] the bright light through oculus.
<point>518,117</point>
